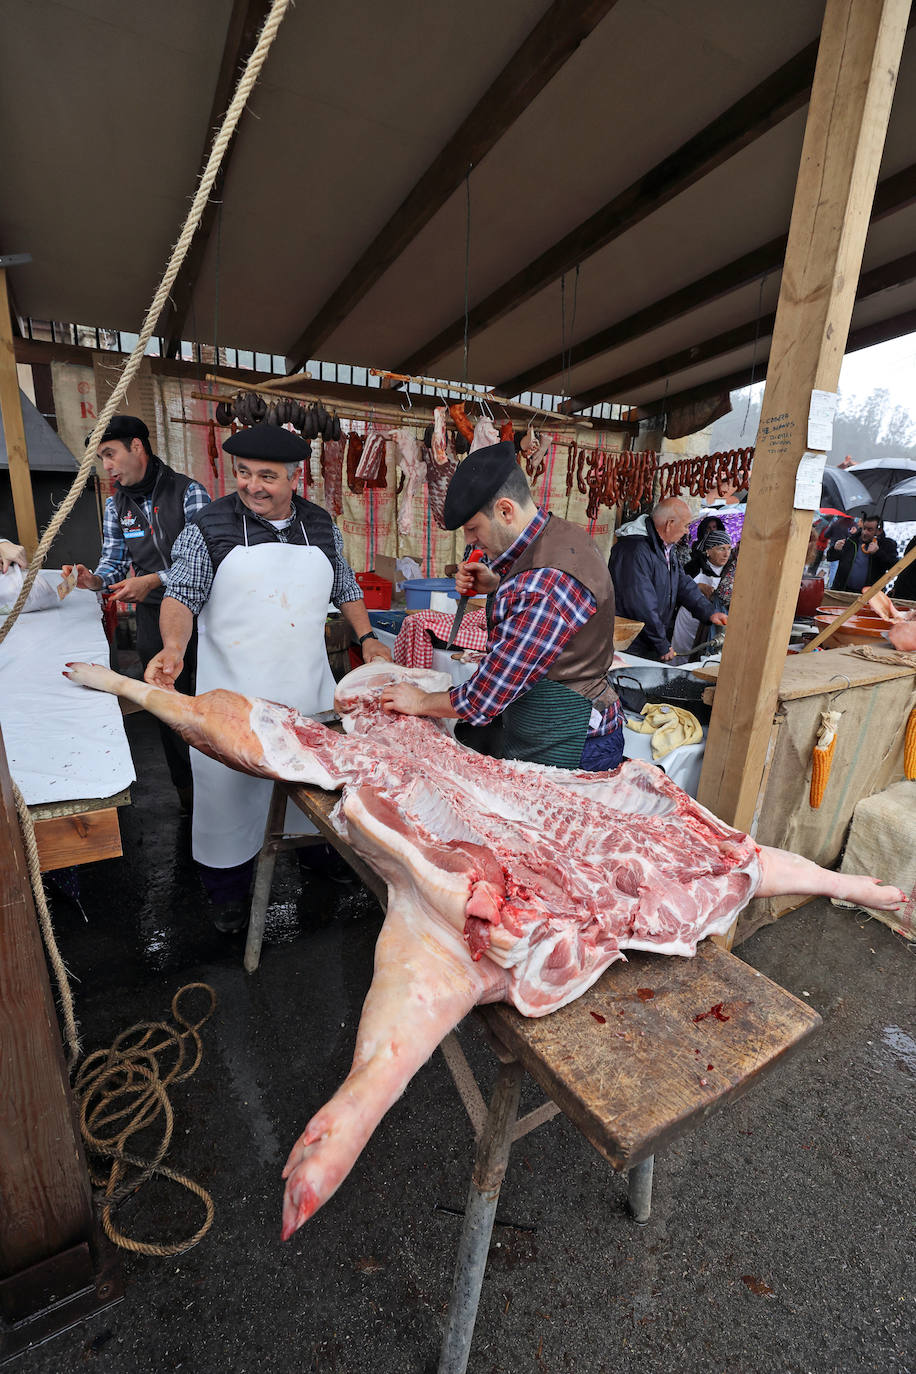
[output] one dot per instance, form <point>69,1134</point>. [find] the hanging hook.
<point>409,405</point>
<point>840,690</point>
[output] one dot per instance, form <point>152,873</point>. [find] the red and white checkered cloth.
<point>413,647</point>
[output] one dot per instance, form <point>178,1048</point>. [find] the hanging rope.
<point>71,1032</point>
<point>230,121</point>
<point>121,1091</point>
<point>467,269</point>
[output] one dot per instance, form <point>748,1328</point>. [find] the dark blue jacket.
<point>650,589</point>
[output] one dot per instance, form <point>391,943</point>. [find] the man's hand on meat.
<point>89,581</point>
<point>134,588</point>
<point>11,554</point>
<point>402,698</point>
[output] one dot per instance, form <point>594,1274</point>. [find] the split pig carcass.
<point>506,881</point>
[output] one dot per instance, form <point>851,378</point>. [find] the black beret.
<point>125,428</point>
<point>269,443</point>
<point>476,481</point>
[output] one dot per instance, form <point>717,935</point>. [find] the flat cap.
<point>125,428</point>
<point>476,481</point>
<point>267,443</point>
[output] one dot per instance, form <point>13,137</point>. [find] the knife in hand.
<point>475,557</point>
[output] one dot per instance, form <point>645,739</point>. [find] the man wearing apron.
<point>550,611</point>
<point>258,568</point>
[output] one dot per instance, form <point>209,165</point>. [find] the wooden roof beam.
<point>894,193</point>
<point>768,104</point>
<point>895,327</point>
<point>882,278</point>
<point>245,23</point>
<point>550,44</point>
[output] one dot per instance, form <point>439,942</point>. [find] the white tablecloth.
<point>63,743</point>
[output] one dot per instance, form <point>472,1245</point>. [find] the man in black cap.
<point>149,506</point>
<point>551,618</point>
<point>258,568</point>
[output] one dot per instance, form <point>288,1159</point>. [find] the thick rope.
<point>230,121</point>
<point>121,1091</point>
<point>71,1032</point>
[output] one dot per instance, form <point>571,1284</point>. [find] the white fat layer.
<point>285,755</point>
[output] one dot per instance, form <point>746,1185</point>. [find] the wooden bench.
<point>648,1052</point>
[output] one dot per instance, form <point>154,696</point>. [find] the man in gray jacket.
<point>649,582</point>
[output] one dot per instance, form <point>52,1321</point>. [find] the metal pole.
<point>483,1195</point>
<point>640,1189</point>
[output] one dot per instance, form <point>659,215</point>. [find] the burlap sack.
<point>882,842</point>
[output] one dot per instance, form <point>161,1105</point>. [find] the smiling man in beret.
<point>550,614</point>
<point>258,568</point>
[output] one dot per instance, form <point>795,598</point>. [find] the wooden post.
<point>14,430</point>
<point>45,1203</point>
<point>860,47</point>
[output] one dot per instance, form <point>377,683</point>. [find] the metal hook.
<point>409,405</point>
<point>840,690</point>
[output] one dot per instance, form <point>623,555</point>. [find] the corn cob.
<point>909,747</point>
<point>822,758</point>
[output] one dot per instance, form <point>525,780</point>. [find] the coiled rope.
<point>205,185</point>
<point>121,1091</point>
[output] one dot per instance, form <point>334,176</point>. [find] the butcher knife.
<point>475,557</point>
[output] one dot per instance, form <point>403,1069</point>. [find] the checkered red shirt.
<point>535,615</point>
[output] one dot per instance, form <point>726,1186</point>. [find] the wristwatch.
<point>369,635</point>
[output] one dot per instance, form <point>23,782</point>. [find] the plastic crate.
<point>376,591</point>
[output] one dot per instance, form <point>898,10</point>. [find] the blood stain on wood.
<point>715,1011</point>
<point>599,1018</point>
<point>645,994</point>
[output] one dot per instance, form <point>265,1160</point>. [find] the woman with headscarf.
<point>710,553</point>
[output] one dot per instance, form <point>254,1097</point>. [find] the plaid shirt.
<point>191,574</point>
<point>115,559</point>
<point>535,615</point>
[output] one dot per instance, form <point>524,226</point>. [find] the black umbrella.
<point>900,502</point>
<point>879,475</point>
<point>840,488</point>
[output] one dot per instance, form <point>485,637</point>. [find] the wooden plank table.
<point>78,832</point>
<point>651,1050</point>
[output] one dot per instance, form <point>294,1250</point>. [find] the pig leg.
<point>217,723</point>
<point>424,983</point>
<point>783,873</point>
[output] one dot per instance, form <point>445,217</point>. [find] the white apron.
<point>260,633</point>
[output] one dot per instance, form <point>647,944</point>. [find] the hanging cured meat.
<point>332,472</point>
<point>410,461</point>
<point>373,455</point>
<point>485,434</point>
<point>438,476</point>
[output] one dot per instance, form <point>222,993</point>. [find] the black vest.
<point>149,543</point>
<point>223,525</point>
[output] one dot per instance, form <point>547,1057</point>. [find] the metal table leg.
<point>483,1195</point>
<point>639,1197</point>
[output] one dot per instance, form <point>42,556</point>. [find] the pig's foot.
<point>424,983</point>
<point>105,680</point>
<point>782,873</point>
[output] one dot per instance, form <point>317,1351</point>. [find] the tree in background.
<point>864,429</point>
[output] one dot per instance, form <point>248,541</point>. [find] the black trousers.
<point>149,642</point>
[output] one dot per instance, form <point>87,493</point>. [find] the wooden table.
<point>78,832</point>
<point>655,1046</point>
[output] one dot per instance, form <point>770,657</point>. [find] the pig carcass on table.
<point>506,881</point>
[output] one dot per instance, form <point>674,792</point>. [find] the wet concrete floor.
<point>781,1237</point>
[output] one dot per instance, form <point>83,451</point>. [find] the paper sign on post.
<point>820,419</point>
<point>809,480</point>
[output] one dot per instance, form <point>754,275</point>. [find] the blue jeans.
<point>603,752</point>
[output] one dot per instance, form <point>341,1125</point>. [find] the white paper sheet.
<point>820,420</point>
<point>63,742</point>
<point>809,479</point>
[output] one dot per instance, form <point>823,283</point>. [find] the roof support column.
<point>14,429</point>
<point>860,47</point>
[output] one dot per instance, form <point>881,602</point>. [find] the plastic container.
<point>376,591</point>
<point>418,590</point>
<point>389,621</point>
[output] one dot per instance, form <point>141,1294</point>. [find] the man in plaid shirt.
<point>149,506</point>
<point>551,617</point>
